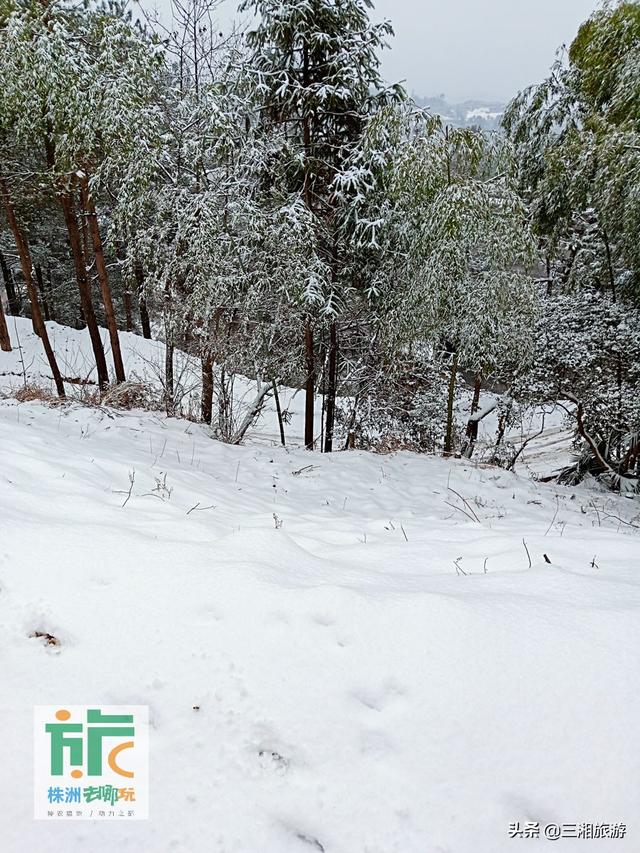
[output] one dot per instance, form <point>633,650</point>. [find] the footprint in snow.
<point>272,761</point>
<point>377,699</point>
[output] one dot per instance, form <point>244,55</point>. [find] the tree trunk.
<point>25,265</point>
<point>169,384</point>
<point>276,398</point>
<point>5,340</point>
<point>103,279</point>
<point>616,478</point>
<point>207,388</point>
<point>52,302</point>
<point>350,443</point>
<point>84,287</point>
<point>84,231</point>
<point>79,262</point>
<point>502,425</point>
<point>448,439</point>
<point>10,286</point>
<point>43,292</point>
<point>310,386</point>
<point>128,319</point>
<point>332,388</point>
<point>472,425</point>
<point>142,304</point>
<point>169,348</point>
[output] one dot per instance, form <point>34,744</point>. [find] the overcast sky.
<point>468,48</point>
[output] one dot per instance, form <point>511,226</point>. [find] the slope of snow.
<point>144,361</point>
<point>377,667</point>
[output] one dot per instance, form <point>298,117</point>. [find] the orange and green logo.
<point>91,762</point>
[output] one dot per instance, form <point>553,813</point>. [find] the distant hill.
<point>484,114</point>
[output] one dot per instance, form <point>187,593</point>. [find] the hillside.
<point>341,653</point>
<point>486,115</point>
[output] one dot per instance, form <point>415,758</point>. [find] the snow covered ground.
<point>348,653</point>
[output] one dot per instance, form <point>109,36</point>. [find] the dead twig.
<point>555,515</point>
<point>459,569</point>
<point>306,468</point>
<point>459,508</point>
<point>466,503</point>
<point>200,508</point>
<point>132,479</point>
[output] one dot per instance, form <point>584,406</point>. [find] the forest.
<point>265,202</point>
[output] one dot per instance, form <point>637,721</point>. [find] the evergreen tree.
<point>318,79</point>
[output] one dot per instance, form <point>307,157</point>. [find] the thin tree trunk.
<point>593,444</point>
<point>10,286</point>
<point>128,318</point>
<point>52,302</point>
<point>79,262</point>
<point>84,287</point>
<point>448,439</point>
<point>207,388</point>
<point>224,407</point>
<point>332,388</point>
<point>25,265</point>
<point>142,304</point>
<point>5,340</point>
<point>103,279</point>
<point>169,378</point>
<point>322,359</point>
<point>276,398</point>
<point>306,131</point>
<point>82,221</point>
<point>350,443</point>
<point>472,425</point>
<point>502,425</point>
<point>310,390</point>
<point>43,292</point>
<point>310,385</point>
<point>169,348</point>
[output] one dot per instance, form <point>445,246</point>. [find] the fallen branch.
<point>252,414</point>
<point>583,433</point>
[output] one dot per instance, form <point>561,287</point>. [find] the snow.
<point>483,113</point>
<point>377,667</point>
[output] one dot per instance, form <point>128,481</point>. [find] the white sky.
<point>467,48</point>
